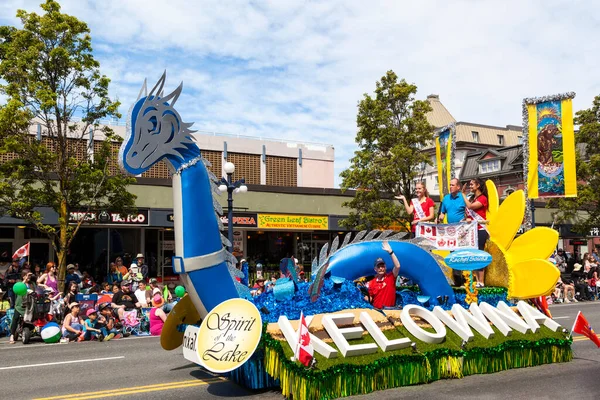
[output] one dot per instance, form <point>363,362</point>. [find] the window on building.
<point>436,185</point>
<point>501,140</point>
<point>486,167</point>
<point>508,191</point>
<point>475,136</point>
<point>520,139</point>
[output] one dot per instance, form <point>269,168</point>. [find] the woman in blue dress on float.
<point>422,208</point>
<point>476,209</point>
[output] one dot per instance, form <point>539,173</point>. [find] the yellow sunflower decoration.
<point>519,264</point>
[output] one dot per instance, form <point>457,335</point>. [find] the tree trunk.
<point>63,220</point>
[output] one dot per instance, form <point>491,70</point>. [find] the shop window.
<point>7,233</point>
<point>6,252</point>
<point>32,233</point>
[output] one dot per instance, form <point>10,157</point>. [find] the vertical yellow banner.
<point>551,138</point>
<point>568,134</point>
<point>532,176</point>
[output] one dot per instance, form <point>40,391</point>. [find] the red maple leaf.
<point>305,339</point>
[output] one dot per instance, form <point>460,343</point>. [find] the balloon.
<point>20,289</point>
<point>179,291</point>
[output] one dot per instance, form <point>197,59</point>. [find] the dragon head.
<point>156,131</point>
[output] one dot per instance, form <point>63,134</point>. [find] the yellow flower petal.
<point>532,278</point>
<point>506,223</point>
<point>538,242</point>
<point>493,201</point>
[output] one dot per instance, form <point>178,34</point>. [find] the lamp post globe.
<point>229,168</point>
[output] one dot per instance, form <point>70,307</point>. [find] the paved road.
<point>137,368</point>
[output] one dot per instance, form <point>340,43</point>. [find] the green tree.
<point>392,130</point>
<point>584,210</point>
<point>50,78</point>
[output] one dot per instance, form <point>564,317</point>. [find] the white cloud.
<point>296,70</point>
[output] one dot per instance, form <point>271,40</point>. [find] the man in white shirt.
<point>142,294</point>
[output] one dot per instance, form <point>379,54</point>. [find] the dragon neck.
<point>192,198</point>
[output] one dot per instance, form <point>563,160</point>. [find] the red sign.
<point>241,220</point>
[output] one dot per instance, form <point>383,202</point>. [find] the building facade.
<point>291,207</point>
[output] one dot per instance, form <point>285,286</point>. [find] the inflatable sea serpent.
<point>353,260</point>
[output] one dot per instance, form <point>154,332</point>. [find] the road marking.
<point>136,389</point>
<point>62,362</point>
<point>561,317</point>
<point>581,338</point>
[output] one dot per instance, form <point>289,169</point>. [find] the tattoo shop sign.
<point>110,218</point>
<point>227,337</point>
<point>462,235</point>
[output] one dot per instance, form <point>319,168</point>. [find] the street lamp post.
<point>230,187</point>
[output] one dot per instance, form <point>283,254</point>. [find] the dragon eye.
<point>154,122</point>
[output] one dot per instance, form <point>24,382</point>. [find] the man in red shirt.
<point>382,289</point>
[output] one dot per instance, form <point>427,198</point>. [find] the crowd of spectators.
<point>126,295</point>
<point>579,277</point>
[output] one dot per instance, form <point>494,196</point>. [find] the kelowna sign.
<point>340,327</point>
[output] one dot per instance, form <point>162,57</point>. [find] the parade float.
<point>435,332</point>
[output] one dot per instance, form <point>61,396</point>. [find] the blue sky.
<point>297,69</point>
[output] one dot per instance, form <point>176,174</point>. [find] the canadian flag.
<point>22,251</point>
<point>304,350</point>
<point>582,326</point>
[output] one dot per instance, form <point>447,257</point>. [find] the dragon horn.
<point>159,85</point>
<point>173,95</point>
<point>143,89</point>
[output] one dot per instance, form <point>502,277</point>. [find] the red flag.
<point>542,304</point>
<point>22,251</point>
<point>304,350</point>
<point>583,327</point>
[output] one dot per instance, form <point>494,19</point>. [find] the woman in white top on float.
<point>422,208</point>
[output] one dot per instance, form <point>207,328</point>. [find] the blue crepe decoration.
<point>284,289</point>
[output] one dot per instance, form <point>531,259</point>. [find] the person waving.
<point>422,208</point>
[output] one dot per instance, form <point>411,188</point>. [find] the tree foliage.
<point>51,79</point>
<point>392,130</point>
<point>584,210</point>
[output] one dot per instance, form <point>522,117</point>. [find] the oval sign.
<point>229,335</point>
<point>468,260</point>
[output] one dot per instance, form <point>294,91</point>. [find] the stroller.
<point>37,315</point>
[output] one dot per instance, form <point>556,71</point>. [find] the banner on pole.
<point>445,144</point>
<point>461,235</point>
<point>549,147</point>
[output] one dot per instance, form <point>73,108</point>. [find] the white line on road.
<point>561,317</point>
<point>62,362</point>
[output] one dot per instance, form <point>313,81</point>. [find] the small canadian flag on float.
<point>22,251</point>
<point>304,350</point>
